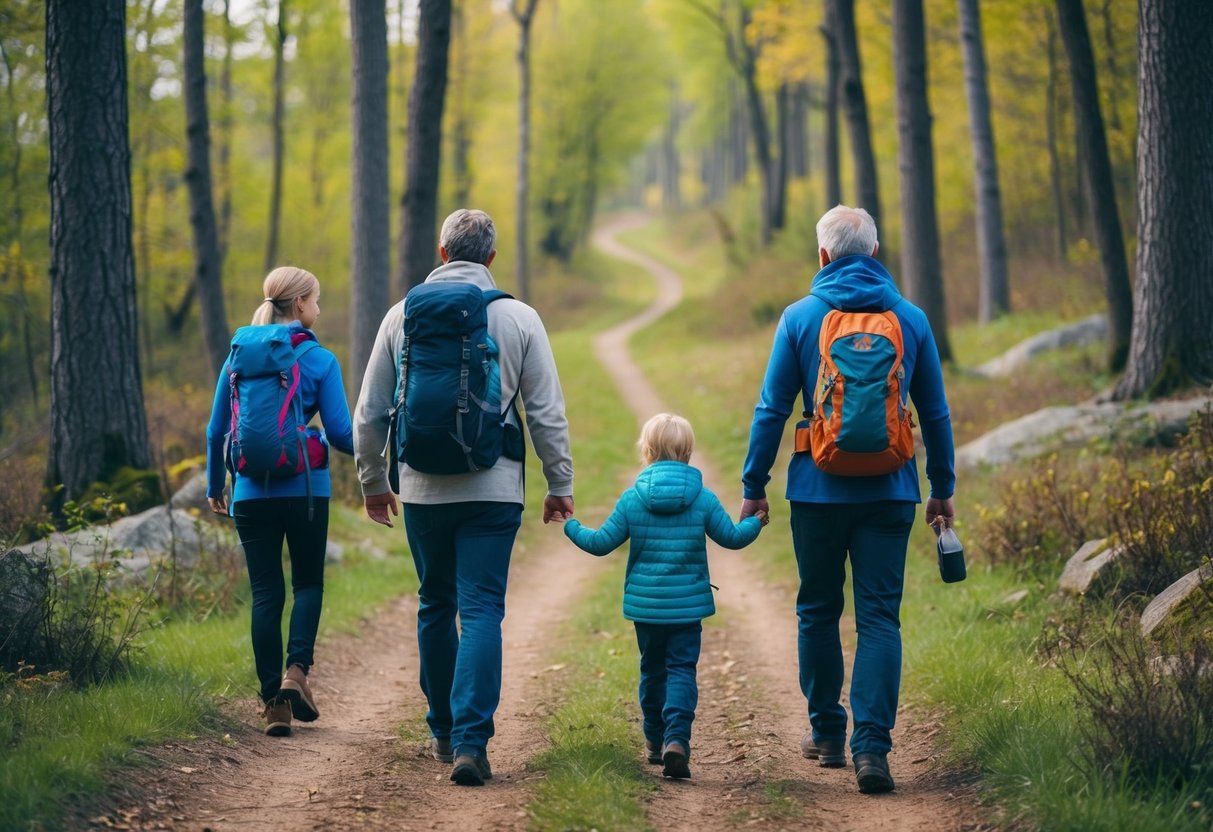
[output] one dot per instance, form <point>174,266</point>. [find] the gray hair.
<point>468,234</point>
<point>843,231</point>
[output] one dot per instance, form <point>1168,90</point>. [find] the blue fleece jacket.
<point>855,283</point>
<point>321,391</point>
<point>666,514</point>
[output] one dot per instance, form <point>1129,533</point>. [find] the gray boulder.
<point>23,589</point>
<point>1087,331</point>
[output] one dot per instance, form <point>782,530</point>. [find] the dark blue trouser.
<point>874,536</point>
<point>462,554</point>
<point>262,525</point>
<point>668,692</point>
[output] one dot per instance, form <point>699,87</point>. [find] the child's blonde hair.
<point>666,436</point>
<point>281,288</point>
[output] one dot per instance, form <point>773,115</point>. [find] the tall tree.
<point>370,256</point>
<point>277,130</point>
<point>1172,345</point>
<point>524,13</point>
<point>427,98</point>
<point>833,178</point>
<point>207,259</point>
<point>842,20</point>
<point>1051,119</point>
<point>98,424</point>
<point>920,262</point>
<point>224,153</point>
<point>994,297</point>
<point>1097,176</point>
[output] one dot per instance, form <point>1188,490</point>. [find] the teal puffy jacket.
<point>666,514</point>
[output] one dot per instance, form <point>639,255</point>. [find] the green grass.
<point>62,747</point>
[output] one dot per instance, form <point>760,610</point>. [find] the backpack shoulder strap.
<point>491,295</point>
<point>305,347</point>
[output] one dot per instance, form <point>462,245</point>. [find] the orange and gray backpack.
<point>861,424</point>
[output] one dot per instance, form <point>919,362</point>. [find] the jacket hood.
<point>856,283</point>
<point>300,333</point>
<point>463,271</point>
<point>668,487</point>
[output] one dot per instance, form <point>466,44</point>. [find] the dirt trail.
<point>751,711</point>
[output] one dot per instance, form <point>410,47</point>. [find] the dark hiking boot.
<point>652,751</point>
<point>296,692</point>
<point>278,717</point>
<point>872,773</point>
<point>674,758</point>
<point>828,753</point>
<point>471,769</point>
<point>440,750</point>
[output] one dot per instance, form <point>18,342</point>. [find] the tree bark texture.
<point>224,154</point>
<point>207,259</point>
<point>922,273</point>
<point>370,254</point>
<point>833,178</point>
<point>994,296</point>
<point>98,424</point>
<point>842,17</point>
<point>276,128</point>
<point>1172,343</point>
<point>418,244</point>
<point>524,13</point>
<point>1097,176</point>
<point>1059,205</point>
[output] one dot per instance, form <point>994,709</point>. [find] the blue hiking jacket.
<point>322,391</point>
<point>855,283</point>
<point>666,514</point>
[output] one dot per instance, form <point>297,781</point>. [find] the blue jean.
<point>668,692</point>
<point>462,554</point>
<point>874,536</point>
<point>262,524</point>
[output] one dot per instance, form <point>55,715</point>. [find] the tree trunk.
<point>920,264</point>
<point>671,164</point>
<point>833,179</point>
<point>1097,167</point>
<point>843,18</point>
<point>739,158</point>
<point>271,245</point>
<point>225,134</point>
<point>1051,108</point>
<point>1172,344</point>
<point>98,424</point>
<point>524,13</point>
<point>207,273</point>
<point>461,141</point>
<point>370,252</point>
<point>418,245</point>
<point>797,136</point>
<point>995,300</point>
<point>781,166</point>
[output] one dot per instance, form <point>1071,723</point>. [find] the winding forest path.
<point>746,743</point>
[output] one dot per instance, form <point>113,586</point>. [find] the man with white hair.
<point>461,526</point>
<point>853,336</point>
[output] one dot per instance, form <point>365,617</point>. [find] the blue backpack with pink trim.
<point>269,436</point>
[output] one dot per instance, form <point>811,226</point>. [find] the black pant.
<point>262,525</point>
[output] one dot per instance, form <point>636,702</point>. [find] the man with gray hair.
<point>852,483</point>
<point>461,526</point>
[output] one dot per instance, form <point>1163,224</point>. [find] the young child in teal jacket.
<point>667,592</point>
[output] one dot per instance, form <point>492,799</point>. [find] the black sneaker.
<point>652,751</point>
<point>440,750</point>
<point>828,753</point>
<point>471,769</point>
<point>872,773</point>
<point>674,758</point>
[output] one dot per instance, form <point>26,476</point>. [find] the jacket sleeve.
<point>606,539</point>
<point>334,410</point>
<point>722,530</point>
<point>780,387</point>
<point>216,436</point>
<point>375,400</point>
<point>546,420</point>
<point>927,392</point>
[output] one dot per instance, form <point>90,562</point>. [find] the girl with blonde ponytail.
<point>293,507</point>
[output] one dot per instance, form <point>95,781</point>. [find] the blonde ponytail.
<point>282,287</point>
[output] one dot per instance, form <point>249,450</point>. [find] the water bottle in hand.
<point>951,555</point>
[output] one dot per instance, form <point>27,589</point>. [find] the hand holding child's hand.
<point>763,516</point>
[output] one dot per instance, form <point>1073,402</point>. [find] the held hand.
<point>749,508</point>
<point>940,513</point>
<point>218,505</point>
<point>378,506</point>
<point>763,516</point>
<point>557,509</point>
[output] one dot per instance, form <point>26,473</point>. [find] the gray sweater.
<point>527,367</point>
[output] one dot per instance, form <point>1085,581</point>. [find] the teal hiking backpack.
<point>448,417</point>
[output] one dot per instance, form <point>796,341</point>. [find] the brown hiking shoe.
<point>675,758</point>
<point>296,692</point>
<point>652,751</point>
<point>278,717</point>
<point>828,753</point>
